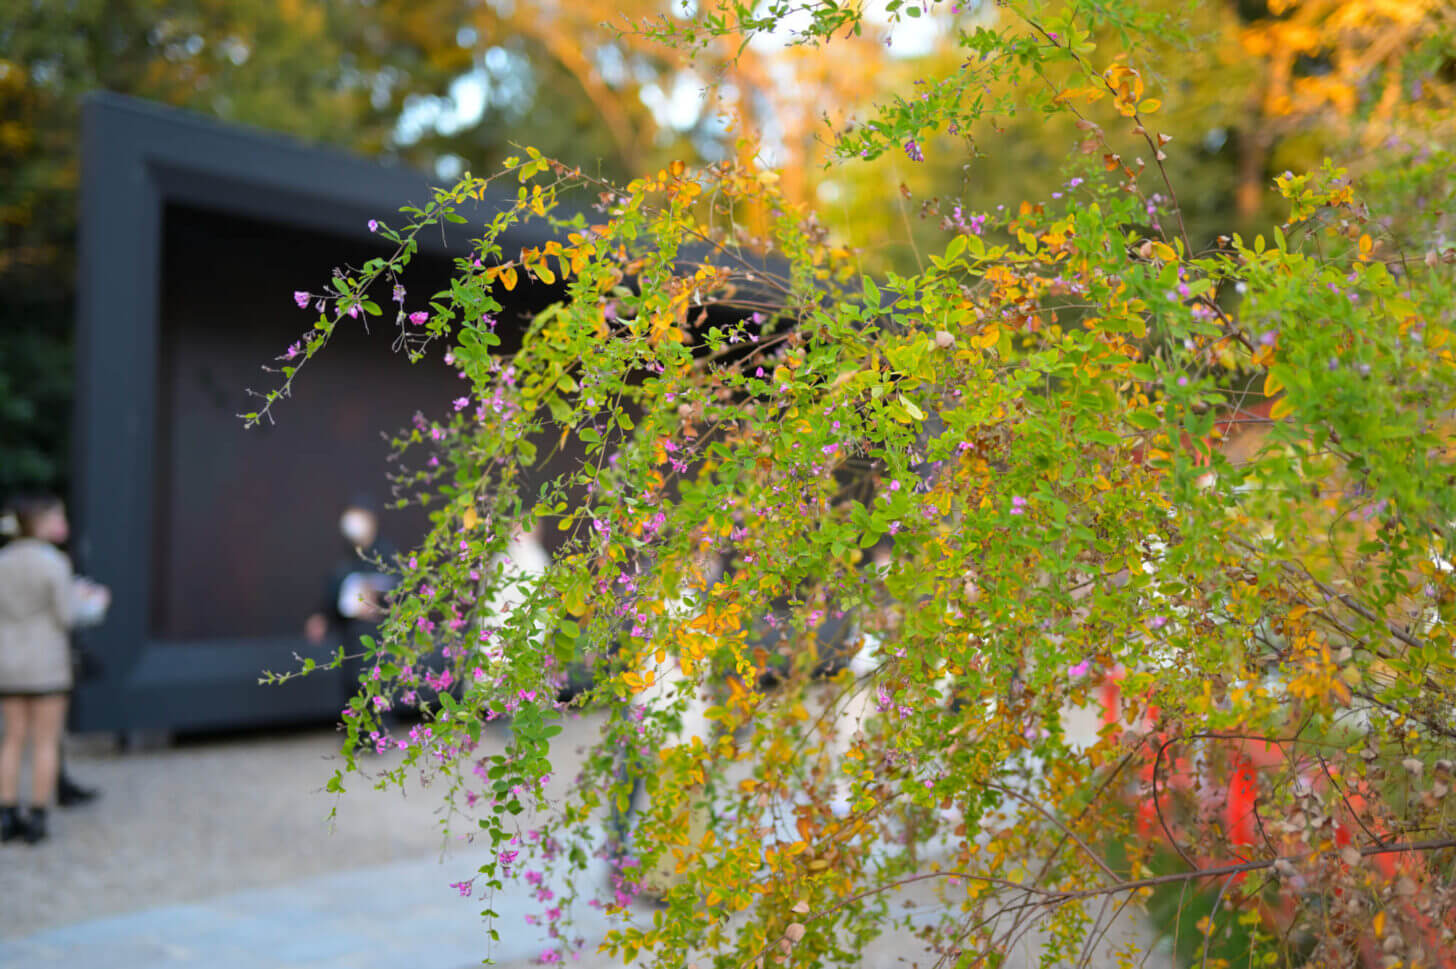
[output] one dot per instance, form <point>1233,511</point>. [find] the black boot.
<point>35,826</point>
<point>70,794</point>
<point>12,825</point>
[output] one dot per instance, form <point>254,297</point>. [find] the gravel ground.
<point>211,848</point>
<point>207,818</point>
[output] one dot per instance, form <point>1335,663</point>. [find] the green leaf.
<point>1144,420</point>
<point>871,294</point>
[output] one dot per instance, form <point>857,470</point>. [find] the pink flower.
<point>301,298</point>
<point>373,226</point>
<point>418,317</point>
<point>1080,669</point>
<point>461,403</point>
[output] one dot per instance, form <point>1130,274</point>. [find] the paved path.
<point>385,917</point>
<point>219,854</point>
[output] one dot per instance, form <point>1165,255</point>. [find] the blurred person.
<point>691,726</point>
<point>520,569</point>
<point>356,592</point>
<point>41,599</point>
<point>89,611</point>
<point>858,702</point>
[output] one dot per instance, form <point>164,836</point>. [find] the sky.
<point>677,103</point>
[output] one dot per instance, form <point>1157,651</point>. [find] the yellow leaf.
<point>1272,384</point>
<point>1164,252</point>
<point>677,168</point>
<point>1378,924</point>
<point>544,273</point>
<point>1282,408</point>
<point>471,517</point>
<point>1149,106</point>
<point>986,338</point>
<point>508,277</point>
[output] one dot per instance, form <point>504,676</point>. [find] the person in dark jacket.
<point>356,591</point>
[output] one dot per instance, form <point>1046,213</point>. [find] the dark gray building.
<point>216,540</point>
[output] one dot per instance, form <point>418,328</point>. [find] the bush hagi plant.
<point>1035,426</point>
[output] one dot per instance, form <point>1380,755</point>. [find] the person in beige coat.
<point>40,600</point>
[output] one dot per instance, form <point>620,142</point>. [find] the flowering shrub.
<point>884,535</point>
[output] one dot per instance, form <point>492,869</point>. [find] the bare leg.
<point>48,721</point>
<point>15,711</point>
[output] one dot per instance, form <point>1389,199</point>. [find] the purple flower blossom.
<point>461,403</point>
<point>418,317</point>
<point>301,298</point>
<point>912,149</point>
<point>373,226</point>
